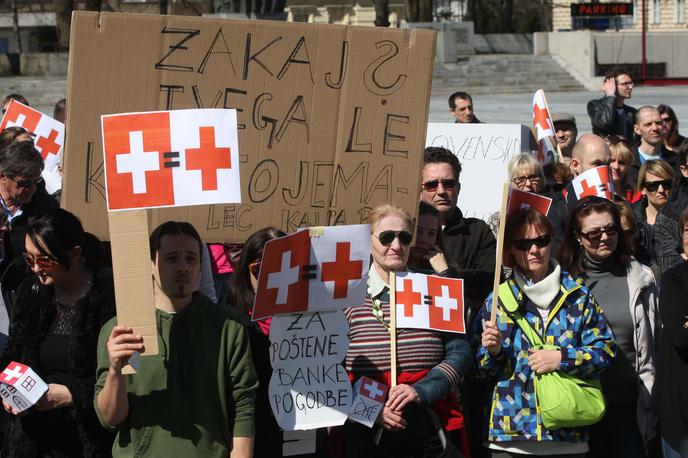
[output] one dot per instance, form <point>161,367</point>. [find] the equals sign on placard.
<point>169,159</point>
<point>308,272</point>
<point>427,300</point>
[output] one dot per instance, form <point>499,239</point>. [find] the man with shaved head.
<point>590,151</point>
<point>648,127</point>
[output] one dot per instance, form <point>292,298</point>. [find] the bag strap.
<point>511,308</point>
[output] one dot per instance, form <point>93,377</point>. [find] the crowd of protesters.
<point>597,290</point>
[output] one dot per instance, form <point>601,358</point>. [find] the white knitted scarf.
<point>543,292</point>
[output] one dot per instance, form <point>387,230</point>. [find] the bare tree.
<point>63,21</point>
<point>15,27</point>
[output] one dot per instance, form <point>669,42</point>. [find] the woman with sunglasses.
<point>242,292</point>
<point>54,329</point>
<point>430,363</point>
<point>594,250</point>
<point>622,159</point>
<point>655,183</point>
<point>564,313</point>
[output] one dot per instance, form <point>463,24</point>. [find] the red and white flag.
<point>542,121</point>
<point>48,138</point>
<point>595,182</point>
<point>429,302</point>
<point>171,158</point>
<point>323,268</point>
<point>522,199</point>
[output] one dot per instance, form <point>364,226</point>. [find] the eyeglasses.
<point>433,184</point>
<point>596,234</point>
<point>254,267</point>
<point>387,237</point>
<point>616,139</point>
<point>43,262</point>
<point>521,181</point>
<point>653,186</point>
<point>25,184</point>
<point>626,84</point>
<point>525,244</point>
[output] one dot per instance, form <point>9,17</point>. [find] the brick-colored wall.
<point>561,16</point>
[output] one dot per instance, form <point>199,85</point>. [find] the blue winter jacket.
<point>576,324</point>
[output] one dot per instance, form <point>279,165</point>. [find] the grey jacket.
<point>644,307</point>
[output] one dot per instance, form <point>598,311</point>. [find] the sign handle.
<point>500,251</point>
<point>393,328</point>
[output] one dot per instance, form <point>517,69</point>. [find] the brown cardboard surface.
<point>332,118</point>
<point>132,272</point>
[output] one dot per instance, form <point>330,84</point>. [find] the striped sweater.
<point>448,356</point>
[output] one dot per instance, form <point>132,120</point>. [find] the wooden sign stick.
<point>393,328</point>
<point>500,251</point>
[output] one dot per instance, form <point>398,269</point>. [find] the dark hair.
<point>241,292</point>
<point>615,72</point>
<point>20,159</point>
<point>439,155</point>
<point>60,109</point>
<point>18,97</point>
<point>58,232</point>
<point>10,134</point>
<point>173,228</point>
<point>558,170</point>
<point>625,211</point>
<point>571,253</point>
<point>461,95</point>
<point>522,218</point>
<point>683,221</point>
<point>425,208</point>
<point>682,152</point>
<point>672,140</point>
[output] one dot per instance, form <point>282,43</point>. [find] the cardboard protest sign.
<point>322,268</point>
<point>171,158</point>
<point>331,118</point>
<point>20,386</point>
<point>429,302</point>
<point>48,137</point>
<point>595,182</point>
<point>309,388</point>
<point>522,199</point>
<point>369,398</point>
<point>484,151</point>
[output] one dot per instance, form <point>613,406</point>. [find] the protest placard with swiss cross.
<point>20,386</point>
<point>594,182</point>
<point>429,302</point>
<point>171,158</point>
<point>48,137</point>
<point>322,268</point>
<point>369,398</point>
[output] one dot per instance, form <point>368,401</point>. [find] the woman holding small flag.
<point>595,251</point>
<point>549,333</point>
<point>430,363</point>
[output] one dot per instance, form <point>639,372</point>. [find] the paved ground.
<point>516,108</point>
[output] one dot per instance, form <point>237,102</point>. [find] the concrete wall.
<point>37,64</point>
<point>575,48</point>
<point>503,43</point>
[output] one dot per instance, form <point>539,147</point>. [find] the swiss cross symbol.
<point>12,373</point>
<point>373,391</point>
<point>408,298</point>
<point>21,119</point>
<point>540,117</point>
<point>286,276</point>
<point>47,145</point>
<point>446,303</point>
<point>587,189</point>
<point>209,158</point>
<point>138,162</point>
<point>341,270</point>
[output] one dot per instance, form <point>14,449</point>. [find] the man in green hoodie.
<point>196,397</point>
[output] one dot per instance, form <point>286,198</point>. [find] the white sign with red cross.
<point>171,158</point>
<point>429,302</point>
<point>369,398</point>
<point>322,268</point>
<point>20,386</point>
<point>48,138</point>
<point>595,182</point>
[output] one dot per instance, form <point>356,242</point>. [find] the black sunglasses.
<point>432,185</point>
<point>525,244</point>
<point>387,237</point>
<point>653,186</point>
<point>596,234</point>
<point>26,183</point>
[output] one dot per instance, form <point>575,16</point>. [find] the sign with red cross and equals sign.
<point>321,268</point>
<point>595,182</point>
<point>171,158</point>
<point>429,302</point>
<point>20,386</point>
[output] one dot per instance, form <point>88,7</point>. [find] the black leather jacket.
<point>603,114</point>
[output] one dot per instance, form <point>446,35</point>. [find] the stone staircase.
<point>503,74</point>
<point>41,92</point>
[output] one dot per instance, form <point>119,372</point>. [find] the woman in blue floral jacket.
<point>566,315</point>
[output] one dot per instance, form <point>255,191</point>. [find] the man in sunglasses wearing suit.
<point>469,242</point>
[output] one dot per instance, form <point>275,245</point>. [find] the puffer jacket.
<point>576,324</point>
<point>644,307</point>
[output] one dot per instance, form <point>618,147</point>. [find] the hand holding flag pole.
<point>500,251</point>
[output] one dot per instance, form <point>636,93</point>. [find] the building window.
<point>656,13</point>
<point>680,11</point>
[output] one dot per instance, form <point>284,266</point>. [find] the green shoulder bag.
<point>564,401</point>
